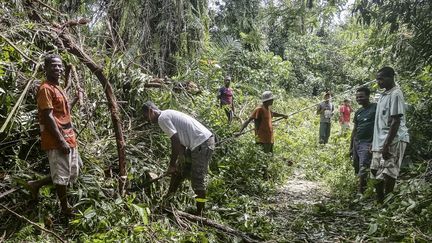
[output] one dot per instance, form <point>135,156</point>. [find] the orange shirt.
<point>51,96</point>
<point>263,124</point>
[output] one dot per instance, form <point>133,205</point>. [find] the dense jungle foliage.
<point>176,53</point>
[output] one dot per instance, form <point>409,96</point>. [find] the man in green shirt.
<point>390,134</point>
<point>362,135</point>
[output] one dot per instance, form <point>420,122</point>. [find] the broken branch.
<point>33,223</point>
<point>8,192</point>
<point>77,82</point>
<point>213,224</point>
<point>50,8</point>
<point>20,100</point>
<point>17,49</point>
<point>156,179</point>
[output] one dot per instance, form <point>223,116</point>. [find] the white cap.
<point>267,95</point>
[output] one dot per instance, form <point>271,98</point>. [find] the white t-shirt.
<point>191,133</point>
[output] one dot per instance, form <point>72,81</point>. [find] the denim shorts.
<point>364,156</point>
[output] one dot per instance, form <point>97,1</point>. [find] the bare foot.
<point>34,190</point>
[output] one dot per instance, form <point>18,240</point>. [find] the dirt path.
<point>298,190</point>
<point>304,212</point>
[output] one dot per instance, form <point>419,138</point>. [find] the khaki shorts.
<point>390,167</point>
<point>64,168</point>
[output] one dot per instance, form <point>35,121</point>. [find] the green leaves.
<point>143,213</point>
<point>373,227</point>
<point>89,213</point>
<point>412,205</point>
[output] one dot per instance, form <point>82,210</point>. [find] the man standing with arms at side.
<point>185,133</point>
<point>325,110</point>
<point>390,134</point>
<point>58,138</point>
<point>362,135</point>
<point>226,99</point>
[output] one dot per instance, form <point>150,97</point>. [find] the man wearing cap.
<point>226,98</point>
<point>186,134</point>
<point>262,116</point>
<point>325,110</point>
<point>390,136</point>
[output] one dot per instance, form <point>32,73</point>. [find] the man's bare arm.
<point>177,150</point>
<point>319,110</point>
<point>353,134</point>
<point>394,127</point>
<point>51,126</point>
<point>245,124</point>
<point>275,114</point>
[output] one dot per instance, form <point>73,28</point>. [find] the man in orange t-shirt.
<point>262,116</point>
<point>58,138</point>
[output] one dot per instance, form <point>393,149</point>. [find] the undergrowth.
<point>241,178</point>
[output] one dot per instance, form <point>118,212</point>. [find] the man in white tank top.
<point>185,133</point>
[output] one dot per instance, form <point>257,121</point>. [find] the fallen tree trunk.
<point>216,225</point>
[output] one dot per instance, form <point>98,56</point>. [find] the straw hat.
<point>267,95</point>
